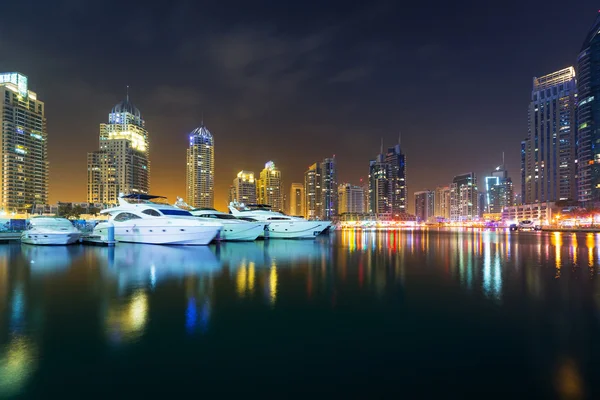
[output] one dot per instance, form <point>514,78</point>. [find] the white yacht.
<point>234,229</point>
<point>50,231</point>
<point>142,218</point>
<point>281,226</point>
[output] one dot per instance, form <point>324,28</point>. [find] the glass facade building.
<point>201,168</point>
<point>550,159</point>
<point>464,198</point>
<point>244,188</point>
<point>122,164</point>
<point>23,144</point>
<point>269,187</point>
<point>588,118</point>
<point>297,199</point>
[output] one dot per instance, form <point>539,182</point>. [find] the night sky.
<point>292,82</point>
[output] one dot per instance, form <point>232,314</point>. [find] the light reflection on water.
<point>134,291</point>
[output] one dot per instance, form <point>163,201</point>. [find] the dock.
<point>96,241</point>
<point>6,237</point>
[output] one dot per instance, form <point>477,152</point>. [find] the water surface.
<point>417,314</point>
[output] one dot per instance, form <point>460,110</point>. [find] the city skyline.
<point>173,105</point>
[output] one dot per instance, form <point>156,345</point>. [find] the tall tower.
<point>244,187</point>
<point>588,117</point>
<point>442,200</point>
<point>380,186</point>
<point>550,166</point>
<point>313,192</point>
<point>122,164</point>
<point>464,198</point>
<point>23,145</point>
<point>329,189</point>
<point>297,199</point>
<point>351,199</point>
<point>268,188</point>
<point>398,194</point>
<point>201,168</point>
<point>424,205</point>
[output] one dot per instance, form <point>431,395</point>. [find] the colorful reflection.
<point>126,322</point>
<point>18,361</point>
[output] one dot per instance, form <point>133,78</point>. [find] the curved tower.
<point>122,164</point>
<point>201,168</point>
<point>588,115</point>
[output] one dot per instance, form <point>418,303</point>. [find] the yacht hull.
<point>49,239</point>
<point>167,235</point>
<point>241,232</point>
<point>296,229</point>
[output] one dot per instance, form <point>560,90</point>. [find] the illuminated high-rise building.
<point>588,118</point>
<point>351,199</point>
<point>201,168</point>
<point>498,191</point>
<point>329,189</point>
<point>397,180</point>
<point>244,188</point>
<point>550,159</point>
<point>312,192</point>
<point>425,205</point>
<point>269,187</point>
<point>297,199</point>
<point>464,198</point>
<point>442,202</point>
<point>23,144</point>
<point>380,186</point>
<point>121,165</point>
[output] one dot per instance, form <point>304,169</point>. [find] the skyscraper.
<point>398,194</point>
<point>121,165</point>
<point>297,199</point>
<point>550,167</point>
<point>244,187</point>
<point>23,145</point>
<point>387,182</point>
<point>442,202</point>
<point>329,189</point>
<point>498,191</point>
<point>201,168</point>
<point>464,198</point>
<point>312,192</point>
<point>351,199</point>
<point>588,117</point>
<point>425,205</point>
<point>380,186</point>
<point>269,188</point>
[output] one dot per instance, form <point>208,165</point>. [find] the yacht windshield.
<point>178,213</point>
<point>224,216</point>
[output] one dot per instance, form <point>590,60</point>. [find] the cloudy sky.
<point>291,82</point>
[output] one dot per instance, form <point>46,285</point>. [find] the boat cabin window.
<point>248,219</point>
<point>125,216</point>
<point>152,212</point>
<point>178,213</point>
<point>278,219</point>
<point>218,216</point>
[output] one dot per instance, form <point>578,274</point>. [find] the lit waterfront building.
<point>464,198</point>
<point>329,189</point>
<point>498,191</point>
<point>24,146</point>
<point>351,199</point>
<point>201,168</point>
<point>425,205</point>
<point>244,188</point>
<point>122,164</point>
<point>588,117</point>
<point>442,202</point>
<point>379,187</point>
<point>397,180</point>
<point>312,192</point>
<point>550,161</point>
<point>297,200</point>
<point>269,188</point>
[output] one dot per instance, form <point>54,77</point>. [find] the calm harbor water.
<point>418,314</point>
